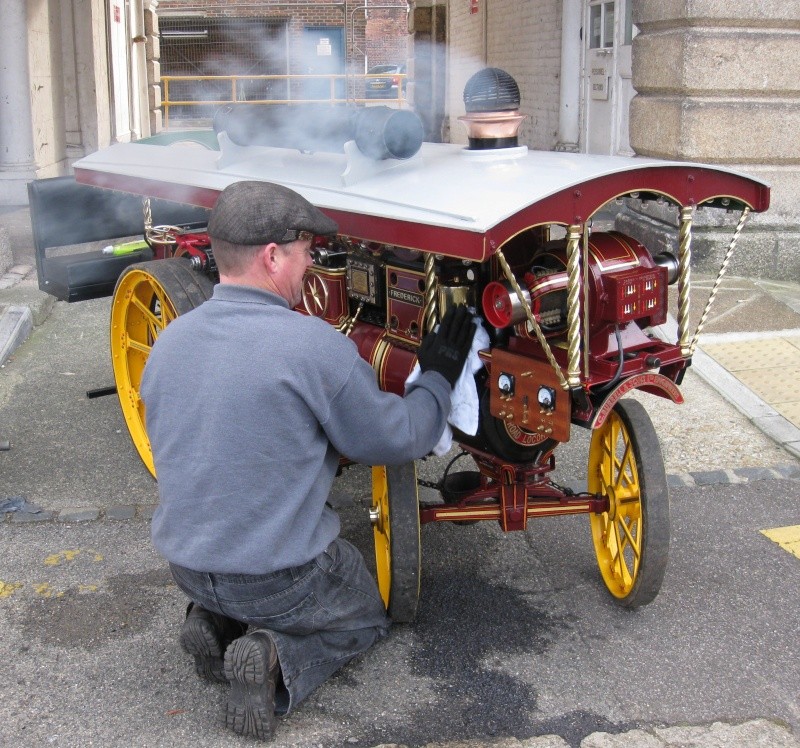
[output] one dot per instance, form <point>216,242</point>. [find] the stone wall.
<point>54,89</point>
<point>719,82</point>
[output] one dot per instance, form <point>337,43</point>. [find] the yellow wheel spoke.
<point>631,537</point>
<point>618,550</point>
<point>628,475</point>
<point>137,346</point>
<point>618,555</point>
<point>632,542</point>
<point>153,330</point>
<point>153,321</point>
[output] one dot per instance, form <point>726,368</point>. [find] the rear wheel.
<point>396,530</point>
<point>631,539</point>
<point>147,297</point>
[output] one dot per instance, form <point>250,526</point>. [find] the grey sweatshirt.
<point>248,406</point>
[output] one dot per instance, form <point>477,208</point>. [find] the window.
<point>601,25</point>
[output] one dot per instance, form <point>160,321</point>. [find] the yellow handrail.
<point>238,94</point>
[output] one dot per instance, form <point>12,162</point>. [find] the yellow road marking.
<point>57,559</point>
<point>9,588</point>
<point>45,590</point>
<point>787,538</point>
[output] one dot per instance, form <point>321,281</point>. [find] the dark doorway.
<point>323,55</point>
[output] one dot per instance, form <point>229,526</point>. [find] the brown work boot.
<point>251,666</point>
<point>206,636</point>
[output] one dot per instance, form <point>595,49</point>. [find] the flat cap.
<point>251,213</point>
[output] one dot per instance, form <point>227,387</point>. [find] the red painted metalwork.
<point>325,295</point>
<point>512,493</point>
<point>655,384</point>
<point>194,245</point>
<point>390,349</point>
<point>405,303</point>
<point>686,185</point>
<point>392,363</point>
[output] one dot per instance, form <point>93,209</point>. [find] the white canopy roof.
<point>444,186</point>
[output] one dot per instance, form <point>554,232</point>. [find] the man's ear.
<point>270,257</point>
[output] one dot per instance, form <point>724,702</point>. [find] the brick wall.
<point>382,37</point>
<point>386,36</point>
<point>465,57</point>
<point>524,39</point>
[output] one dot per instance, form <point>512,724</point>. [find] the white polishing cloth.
<point>464,402</point>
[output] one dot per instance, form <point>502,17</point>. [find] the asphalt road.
<point>516,636</point>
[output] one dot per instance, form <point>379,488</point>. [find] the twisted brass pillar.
<point>431,313</point>
<point>148,214</point>
<point>684,278</point>
<point>574,285</point>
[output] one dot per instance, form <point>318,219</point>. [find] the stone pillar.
<point>719,82</point>
<point>93,99</point>
<point>153,55</point>
<point>570,82</point>
<point>17,163</point>
<point>137,73</point>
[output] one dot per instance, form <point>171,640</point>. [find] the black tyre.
<point>396,530</point>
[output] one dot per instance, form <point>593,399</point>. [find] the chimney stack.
<point>491,99</point>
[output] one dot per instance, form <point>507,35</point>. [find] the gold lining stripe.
<point>496,512</point>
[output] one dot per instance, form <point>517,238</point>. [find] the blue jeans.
<point>320,615</point>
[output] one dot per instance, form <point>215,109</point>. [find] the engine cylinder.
<point>625,283</point>
<point>392,363</point>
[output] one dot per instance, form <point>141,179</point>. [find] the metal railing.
<point>198,95</point>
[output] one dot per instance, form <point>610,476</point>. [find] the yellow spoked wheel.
<point>631,539</point>
<point>395,524</point>
<point>147,297</point>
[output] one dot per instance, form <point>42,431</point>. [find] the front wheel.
<point>147,297</point>
<point>396,530</point>
<point>631,539</point>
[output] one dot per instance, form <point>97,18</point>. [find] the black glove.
<point>446,349</point>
